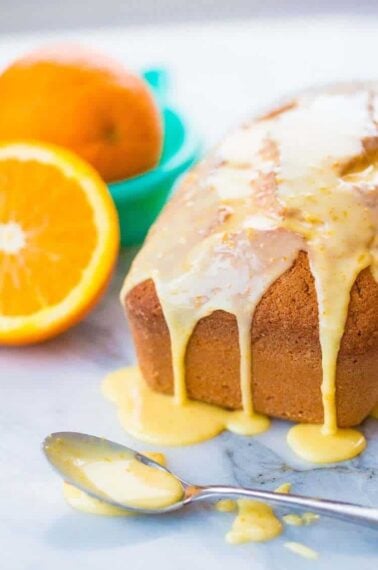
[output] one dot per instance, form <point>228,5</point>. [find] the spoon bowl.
<point>69,452</point>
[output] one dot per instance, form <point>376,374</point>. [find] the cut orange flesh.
<point>58,240</point>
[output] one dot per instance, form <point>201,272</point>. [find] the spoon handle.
<point>345,511</point>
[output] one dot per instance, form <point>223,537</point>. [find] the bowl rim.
<point>142,184</point>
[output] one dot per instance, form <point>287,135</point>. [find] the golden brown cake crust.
<point>285,347</point>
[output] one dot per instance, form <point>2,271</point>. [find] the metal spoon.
<point>190,493</point>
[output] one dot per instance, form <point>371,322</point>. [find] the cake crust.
<point>286,363</point>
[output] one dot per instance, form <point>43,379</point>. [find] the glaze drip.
<point>156,418</point>
<point>306,180</point>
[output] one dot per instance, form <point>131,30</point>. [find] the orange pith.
<point>58,240</point>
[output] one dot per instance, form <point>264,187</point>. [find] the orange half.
<point>59,239</point>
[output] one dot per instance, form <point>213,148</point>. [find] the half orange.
<point>59,239</point>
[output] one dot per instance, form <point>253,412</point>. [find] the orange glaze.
<point>273,188</point>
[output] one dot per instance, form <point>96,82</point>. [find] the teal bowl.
<point>139,199</point>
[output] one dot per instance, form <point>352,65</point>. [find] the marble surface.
<point>221,72</point>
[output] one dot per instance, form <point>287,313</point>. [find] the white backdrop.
<point>24,15</point>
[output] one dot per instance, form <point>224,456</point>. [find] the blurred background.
<point>34,15</point>
<point>226,59</point>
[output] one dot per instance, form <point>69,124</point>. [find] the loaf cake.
<point>256,288</point>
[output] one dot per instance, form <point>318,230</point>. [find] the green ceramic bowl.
<point>140,199</point>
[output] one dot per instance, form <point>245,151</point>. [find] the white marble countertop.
<point>222,72</point>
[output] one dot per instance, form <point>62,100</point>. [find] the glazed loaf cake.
<point>257,188</point>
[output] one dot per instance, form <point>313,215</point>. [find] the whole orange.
<point>85,102</point>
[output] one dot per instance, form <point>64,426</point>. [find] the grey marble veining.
<point>56,386</point>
